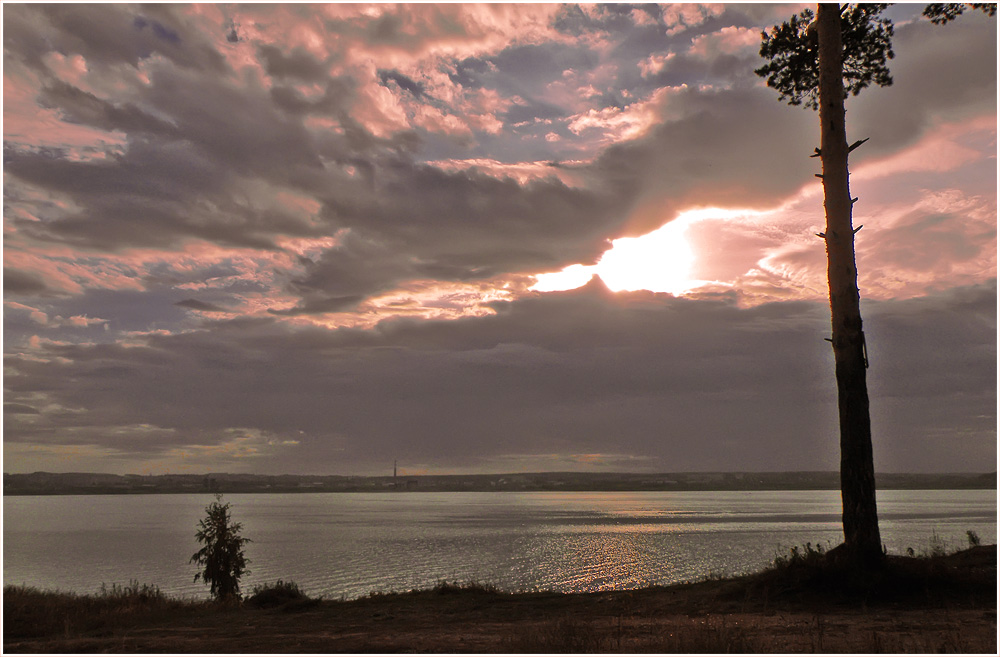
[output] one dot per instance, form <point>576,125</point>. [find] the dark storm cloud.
<point>105,34</point>
<point>689,384</point>
<point>84,108</point>
<point>735,147</point>
<point>331,103</point>
<point>237,126</point>
<point>297,63</point>
<point>345,275</point>
<point>18,282</point>
<point>148,196</point>
<point>422,219</point>
<point>932,363</point>
<point>933,80</point>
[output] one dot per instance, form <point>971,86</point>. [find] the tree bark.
<point>857,468</point>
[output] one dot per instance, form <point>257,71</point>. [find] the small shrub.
<point>809,555</point>
<point>938,547</point>
<point>275,595</point>
<point>973,538</point>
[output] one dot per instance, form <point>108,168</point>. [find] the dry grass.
<point>28,612</point>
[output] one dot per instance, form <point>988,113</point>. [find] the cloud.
<point>940,73</point>
<point>19,282</point>
<point>202,306</point>
<point>313,242</point>
<point>678,384</point>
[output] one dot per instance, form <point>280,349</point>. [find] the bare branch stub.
<point>857,143</point>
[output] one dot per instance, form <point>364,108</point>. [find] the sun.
<point>659,261</point>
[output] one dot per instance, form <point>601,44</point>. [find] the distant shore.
<point>915,605</point>
<point>82,483</point>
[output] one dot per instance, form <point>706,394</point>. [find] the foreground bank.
<point>809,603</point>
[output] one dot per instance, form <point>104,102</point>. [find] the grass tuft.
<point>445,587</point>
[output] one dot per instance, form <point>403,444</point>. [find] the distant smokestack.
<point>393,469</point>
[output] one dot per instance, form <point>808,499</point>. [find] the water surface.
<point>350,544</point>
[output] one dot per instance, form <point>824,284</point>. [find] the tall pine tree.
<point>819,63</point>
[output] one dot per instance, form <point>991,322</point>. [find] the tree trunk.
<point>857,469</point>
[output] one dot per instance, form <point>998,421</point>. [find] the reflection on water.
<point>348,545</point>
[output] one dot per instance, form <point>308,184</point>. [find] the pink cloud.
<point>616,124</point>
<point>944,239</point>
<point>680,16</point>
<point>379,110</point>
<point>522,172</point>
<point>406,32</point>
<point>655,64</point>
<point>34,314</point>
<point>944,148</point>
<point>82,321</point>
<point>26,123</point>
<point>433,119</point>
<point>727,41</point>
<point>64,271</point>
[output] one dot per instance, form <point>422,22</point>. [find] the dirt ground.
<point>603,623</point>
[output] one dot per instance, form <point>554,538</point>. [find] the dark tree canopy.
<point>792,54</point>
<point>943,12</point>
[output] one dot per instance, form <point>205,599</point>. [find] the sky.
<point>479,238</point>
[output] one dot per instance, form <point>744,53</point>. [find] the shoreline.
<point>811,604</point>
<point>46,483</point>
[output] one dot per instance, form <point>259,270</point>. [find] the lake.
<point>348,545</point>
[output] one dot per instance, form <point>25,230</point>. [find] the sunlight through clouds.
<point>660,261</point>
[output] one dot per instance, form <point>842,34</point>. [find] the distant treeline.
<point>75,483</point>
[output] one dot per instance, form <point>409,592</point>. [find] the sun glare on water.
<point>659,261</point>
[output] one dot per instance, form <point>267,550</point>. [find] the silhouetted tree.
<point>818,63</point>
<point>221,558</point>
<point>941,12</point>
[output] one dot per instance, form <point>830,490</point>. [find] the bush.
<point>973,538</point>
<point>275,595</point>
<point>222,556</point>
